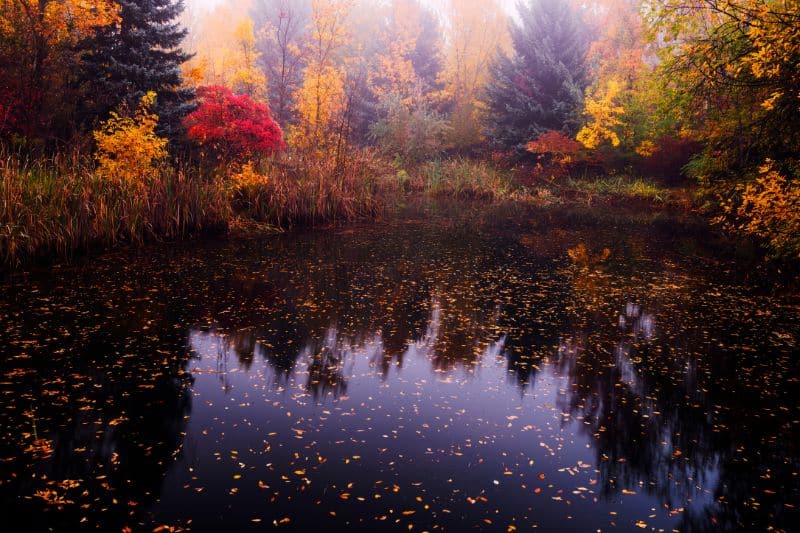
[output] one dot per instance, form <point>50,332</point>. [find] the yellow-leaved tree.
<point>604,111</point>
<point>128,147</point>
<point>320,101</point>
<point>479,29</point>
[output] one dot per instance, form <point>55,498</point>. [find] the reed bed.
<point>60,207</point>
<point>309,190</point>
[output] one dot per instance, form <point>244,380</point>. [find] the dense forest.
<point>129,120</point>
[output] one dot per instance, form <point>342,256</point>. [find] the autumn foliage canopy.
<point>233,127</point>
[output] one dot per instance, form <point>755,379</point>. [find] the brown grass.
<point>311,189</point>
<point>59,207</point>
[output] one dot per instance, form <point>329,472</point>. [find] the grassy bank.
<point>614,189</point>
<point>465,178</point>
<point>60,207</point>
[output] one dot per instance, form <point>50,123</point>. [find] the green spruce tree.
<point>142,53</point>
<point>541,86</point>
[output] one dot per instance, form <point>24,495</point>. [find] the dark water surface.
<point>477,372</point>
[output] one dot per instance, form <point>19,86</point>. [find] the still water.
<point>475,370</point>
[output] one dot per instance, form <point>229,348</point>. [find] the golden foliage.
<point>738,58</point>
<point>127,147</point>
<point>321,99</point>
<point>55,21</point>
<point>248,176</point>
<point>395,73</point>
<point>770,210</point>
<point>247,78</point>
<point>603,112</point>
<point>774,32</point>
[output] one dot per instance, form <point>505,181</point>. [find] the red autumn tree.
<point>233,127</point>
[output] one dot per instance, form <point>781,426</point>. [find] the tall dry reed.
<point>58,207</point>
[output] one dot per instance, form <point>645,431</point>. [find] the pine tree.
<point>142,53</point>
<point>540,87</point>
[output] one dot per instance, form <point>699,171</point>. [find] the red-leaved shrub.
<point>555,154</point>
<point>231,127</point>
<point>556,145</point>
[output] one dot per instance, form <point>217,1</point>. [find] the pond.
<point>451,369</point>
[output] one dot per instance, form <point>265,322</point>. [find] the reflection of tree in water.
<point>665,421</point>
<point>331,362</point>
<point>327,360</point>
<point>317,285</point>
<point>646,426</point>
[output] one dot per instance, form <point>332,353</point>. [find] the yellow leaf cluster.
<point>770,210</point>
<point>248,176</point>
<point>128,147</point>
<point>603,112</point>
<point>646,148</point>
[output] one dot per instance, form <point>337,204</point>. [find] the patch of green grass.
<point>464,178</point>
<point>621,187</point>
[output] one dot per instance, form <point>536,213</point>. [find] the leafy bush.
<point>128,147</point>
<point>770,210</point>
<point>233,127</point>
<point>410,133</point>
